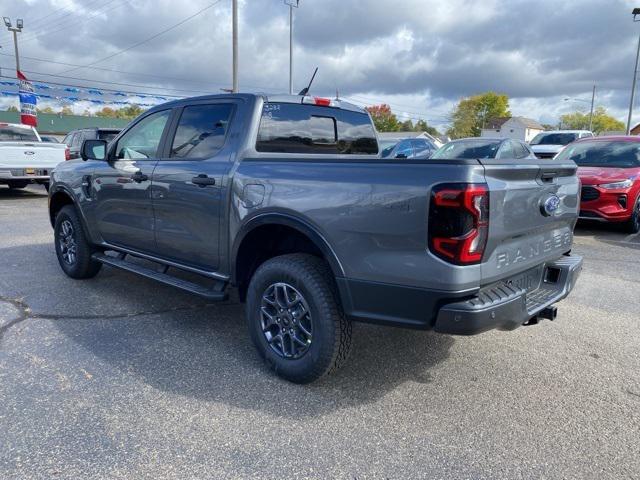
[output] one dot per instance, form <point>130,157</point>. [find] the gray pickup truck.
<point>287,199</point>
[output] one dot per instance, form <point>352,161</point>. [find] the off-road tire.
<point>331,335</point>
<point>83,266</point>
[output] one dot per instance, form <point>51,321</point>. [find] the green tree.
<point>406,126</point>
<point>12,108</point>
<point>46,110</point>
<point>472,112</point>
<point>107,112</point>
<point>423,126</point>
<point>129,112</point>
<point>602,121</point>
<point>383,118</point>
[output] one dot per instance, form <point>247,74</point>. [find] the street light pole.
<point>292,4</point>
<point>234,21</point>
<point>635,12</point>
<point>15,30</point>
<point>593,99</point>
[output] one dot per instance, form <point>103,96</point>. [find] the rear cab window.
<point>9,133</point>
<point>311,129</point>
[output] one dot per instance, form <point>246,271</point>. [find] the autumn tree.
<point>473,112</point>
<point>383,118</point>
<point>602,121</point>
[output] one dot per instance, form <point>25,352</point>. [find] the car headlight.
<point>617,185</point>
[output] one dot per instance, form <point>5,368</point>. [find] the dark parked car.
<point>498,148</point>
<point>287,199</point>
<point>609,168</point>
<point>75,138</point>
<point>407,148</point>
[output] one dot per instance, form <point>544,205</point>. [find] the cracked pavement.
<point>120,377</point>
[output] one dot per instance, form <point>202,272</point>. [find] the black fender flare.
<point>288,220</point>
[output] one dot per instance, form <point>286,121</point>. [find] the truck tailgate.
<point>533,209</point>
<point>17,155</point>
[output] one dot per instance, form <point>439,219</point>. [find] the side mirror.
<point>94,150</point>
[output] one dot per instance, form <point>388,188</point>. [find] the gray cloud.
<point>426,53</point>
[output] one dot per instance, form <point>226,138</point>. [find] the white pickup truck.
<point>24,158</point>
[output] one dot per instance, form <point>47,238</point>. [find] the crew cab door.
<point>120,188</point>
<point>189,184</point>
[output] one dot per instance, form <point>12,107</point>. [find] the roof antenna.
<point>305,90</point>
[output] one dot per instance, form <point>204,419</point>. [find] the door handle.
<point>139,177</point>
<point>203,180</point>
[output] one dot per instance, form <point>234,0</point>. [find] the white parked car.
<point>24,158</point>
<point>548,144</point>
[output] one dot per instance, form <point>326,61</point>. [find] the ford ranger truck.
<point>287,200</point>
<point>24,158</point>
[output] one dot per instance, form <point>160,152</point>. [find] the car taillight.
<point>459,222</point>
<point>67,154</point>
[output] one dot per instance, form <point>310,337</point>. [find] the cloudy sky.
<point>420,56</point>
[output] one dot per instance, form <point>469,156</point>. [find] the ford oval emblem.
<point>550,205</point>
<point>29,152</point>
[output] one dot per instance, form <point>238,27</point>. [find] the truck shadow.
<point>32,191</point>
<point>174,342</point>
<point>206,354</point>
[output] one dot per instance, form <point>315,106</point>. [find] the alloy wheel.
<point>67,242</point>
<point>286,321</point>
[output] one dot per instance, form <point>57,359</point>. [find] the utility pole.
<point>15,30</point>
<point>234,15</point>
<point>593,99</point>
<point>635,12</point>
<point>292,4</point>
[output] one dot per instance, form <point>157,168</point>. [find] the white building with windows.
<point>518,128</point>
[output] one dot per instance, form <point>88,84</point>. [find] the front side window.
<point>143,139</point>
<point>295,128</point>
<point>201,130</point>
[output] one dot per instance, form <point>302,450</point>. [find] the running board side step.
<point>217,293</point>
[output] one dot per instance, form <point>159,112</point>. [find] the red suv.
<point>609,169</point>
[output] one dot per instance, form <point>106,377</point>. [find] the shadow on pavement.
<point>609,233</point>
<point>32,191</point>
<point>206,354</point>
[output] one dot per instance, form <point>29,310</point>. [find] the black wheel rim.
<point>636,217</point>
<point>285,320</point>
<point>67,242</point>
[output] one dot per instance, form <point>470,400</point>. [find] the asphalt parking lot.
<point>119,377</point>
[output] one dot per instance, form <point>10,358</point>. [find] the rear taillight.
<point>459,222</point>
<point>67,154</point>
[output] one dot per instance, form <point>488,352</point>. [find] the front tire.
<point>295,320</point>
<point>17,184</point>
<point>633,224</point>
<point>72,248</point>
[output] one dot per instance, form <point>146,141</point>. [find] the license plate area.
<point>529,280</point>
<point>29,171</point>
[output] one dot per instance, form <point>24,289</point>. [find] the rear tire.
<point>72,248</point>
<point>17,184</point>
<point>295,320</point>
<point>633,224</point>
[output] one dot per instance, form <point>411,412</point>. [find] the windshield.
<point>612,154</point>
<point>554,138</point>
<point>17,134</point>
<point>468,149</point>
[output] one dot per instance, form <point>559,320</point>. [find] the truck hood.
<point>546,148</point>
<point>597,175</point>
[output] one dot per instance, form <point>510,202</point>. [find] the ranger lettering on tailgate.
<point>533,250</point>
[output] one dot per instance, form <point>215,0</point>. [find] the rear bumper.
<point>38,174</point>
<point>505,305</point>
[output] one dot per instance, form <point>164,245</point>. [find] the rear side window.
<point>295,128</point>
<point>201,130</point>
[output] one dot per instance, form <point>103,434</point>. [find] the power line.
<point>148,39</point>
<point>408,116</point>
<point>69,22</point>
<point>398,105</point>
